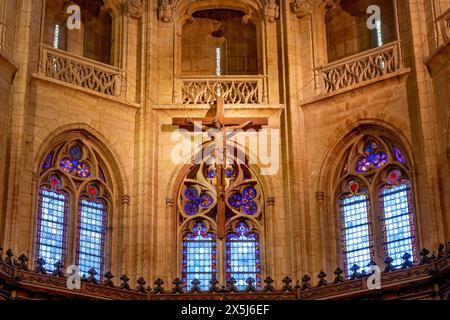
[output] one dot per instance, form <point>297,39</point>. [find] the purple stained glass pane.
<point>211,173</point>
<point>372,158</point>
<point>235,201</point>
<point>363,165</point>
<point>380,159</point>
<point>83,170</point>
<point>250,208</point>
<point>191,194</point>
<point>205,200</point>
<point>399,156</point>
<point>48,161</point>
<point>229,172</point>
<point>76,152</point>
<point>191,208</point>
<point>249,193</point>
<point>67,165</point>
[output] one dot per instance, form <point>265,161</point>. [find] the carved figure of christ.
<point>223,126</point>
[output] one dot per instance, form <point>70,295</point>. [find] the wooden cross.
<point>222,123</point>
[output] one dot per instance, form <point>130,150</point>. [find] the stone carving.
<point>445,26</point>
<point>362,68</point>
<point>233,91</point>
<point>330,4</point>
<point>76,71</point>
<point>302,8</point>
<point>271,12</point>
<point>135,8</point>
<point>166,12</point>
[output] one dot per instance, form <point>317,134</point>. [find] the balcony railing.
<point>444,22</point>
<point>234,89</point>
<point>429,278</point>
<point>362,67</point>
<point>82,72</point>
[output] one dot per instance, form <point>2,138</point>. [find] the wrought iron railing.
<point>428,278</point>
<point>362,67</point>
<point>234,89</point>
<point>82,72</point>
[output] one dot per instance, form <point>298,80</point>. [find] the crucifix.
<point>222,124</point>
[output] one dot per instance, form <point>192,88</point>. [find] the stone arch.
<point>110,156</point>
<point>185,8</point>
<point>329,175</point>
<point>115,185</point>
<point>253,17</point>
<point>179,173</point>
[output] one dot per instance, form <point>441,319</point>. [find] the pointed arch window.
<point>92,228</point>
<point>72,171</point>
<point>243,255</point>
<point>356,227</point>
<point>375,205</point>
<point>51,240</point>
<point>397,217</point>
<point>199,255</point>
<point>205,255</point>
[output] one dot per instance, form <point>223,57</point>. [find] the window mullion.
<point>376,227</point>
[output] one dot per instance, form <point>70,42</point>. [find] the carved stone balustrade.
<point>234,89</point>
<point>82,72</point>
<point>362,67</point>
<point>444,22</point>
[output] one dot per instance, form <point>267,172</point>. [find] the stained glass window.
<point>243,256</point>
<point>245,201</point>
<point>48,161</point>
<point>52,227</point>
<point>199,256</point>
<point>77,160</point>
<point>364,242</point>
<point>74,165</point>
<point>194,201</point>
<point>237,241</point>
<point>399,155</point>
<point>356,231</point>
<point>373,158</point>
<point>397,218</point>
<point>92,227</point>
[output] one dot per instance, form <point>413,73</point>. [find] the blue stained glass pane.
<point>199,257</point>
<point>51,227</point>
<point>76,152</point>
<point>397,220</point>
<point>243,256</point>
<point>92,235</point>
<point>355,232</point>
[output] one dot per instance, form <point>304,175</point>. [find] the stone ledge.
<point>438,57</point>
<point>228,106</point>
<point>40,77</point>
<point>354,87</point>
